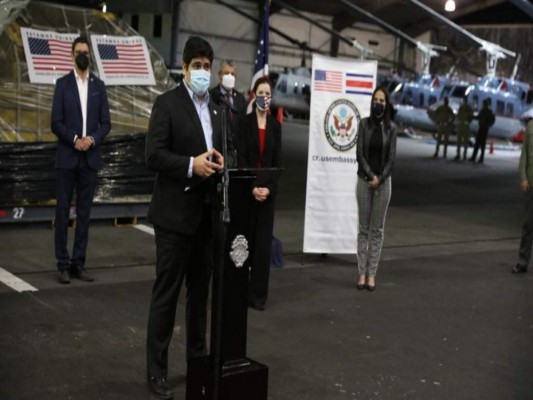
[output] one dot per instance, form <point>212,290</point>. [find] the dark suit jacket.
<point>239,103</point>
<point>248,147</point>
<point>175,135</point>
<point>67,120</point>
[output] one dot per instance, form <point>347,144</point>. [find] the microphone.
<point>222,101</point>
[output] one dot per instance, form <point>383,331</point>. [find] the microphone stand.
<point>220,246</point>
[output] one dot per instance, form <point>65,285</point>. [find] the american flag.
<point>328,81</point>
<point>50,54</point>
<point>120,59</point>
<point>359,84</point>
<point>261,60</point>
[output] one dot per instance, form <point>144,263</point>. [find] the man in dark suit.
<point>226,90</point>
<point>184,134</point>
<point>81,121</point>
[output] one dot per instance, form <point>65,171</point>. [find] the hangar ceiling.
<point>413,21</point>
<point>402,14</point>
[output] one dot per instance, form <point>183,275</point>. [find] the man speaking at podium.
<point>184,134</point>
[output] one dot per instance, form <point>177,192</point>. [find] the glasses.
<point>78,52</point>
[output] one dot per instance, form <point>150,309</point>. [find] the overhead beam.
<point>386,26</point>
<point>301,45</point>
<point>313,22</point>
<point>525,6</point>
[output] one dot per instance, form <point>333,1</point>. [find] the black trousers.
<point>261,248</point>
<point>179,257</point>
<point>481,140</point>
<point>84,179</point>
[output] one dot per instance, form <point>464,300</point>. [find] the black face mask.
<point>378,109</point>
<point>82,62</point>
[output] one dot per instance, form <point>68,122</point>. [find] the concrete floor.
<point>447,320</point>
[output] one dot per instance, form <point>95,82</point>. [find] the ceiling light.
<point>449,6</point>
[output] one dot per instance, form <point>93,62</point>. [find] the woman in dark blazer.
<point>259,146</point>
<point>376,152</point>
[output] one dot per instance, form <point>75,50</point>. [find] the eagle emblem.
<point>343,126</point>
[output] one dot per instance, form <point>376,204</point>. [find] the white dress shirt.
<point>83,91</point>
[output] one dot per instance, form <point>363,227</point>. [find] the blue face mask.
<point>200,80</point>
<point>378,108</point>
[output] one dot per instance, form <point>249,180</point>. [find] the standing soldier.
<point>485,120</point>
<point>526,180</point>
<point>444,117</point>
<point>464,117</point>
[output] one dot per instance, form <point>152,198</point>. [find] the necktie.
<point>230,102</point>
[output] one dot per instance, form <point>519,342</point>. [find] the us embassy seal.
<point>340,124</point>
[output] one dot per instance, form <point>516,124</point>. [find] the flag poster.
<point>48,54</point>
<point>122,60</point>
<point>341,93</point>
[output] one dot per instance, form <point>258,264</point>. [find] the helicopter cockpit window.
<point>475,102</point>
<point>510,109</point>
<point>305,89</point>
<point>408,99</point>
<point>283,85</point>
<point>446,91</point>
<point>432,100</point>
<point>529,99</point>
<point>295,89</point>
<point>500,107</point>
<point>421,99</point>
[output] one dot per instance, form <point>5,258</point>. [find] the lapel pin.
<point>215,112</point>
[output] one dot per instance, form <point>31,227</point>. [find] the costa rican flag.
<point>359,84</point>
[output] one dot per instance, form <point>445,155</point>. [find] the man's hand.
<point>202,167</point>
<point>83,144</point>
<point>260,193</point>
<point>525,185</point>
<point>374,183</point>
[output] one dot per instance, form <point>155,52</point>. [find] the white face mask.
<point>228,81</point>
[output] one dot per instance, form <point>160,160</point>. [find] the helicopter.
<point>291,90</point>
<point>508,98</point>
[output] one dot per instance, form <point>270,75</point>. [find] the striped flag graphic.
<point>328,81</point>
<point>50,54</point>
<point>359,84</point>
<point>120,59</point>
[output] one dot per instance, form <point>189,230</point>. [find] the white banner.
<point>48,54</point>
<point>341,92</point>
<point>122,60</point>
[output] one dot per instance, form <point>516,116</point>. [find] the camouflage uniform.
<point>444,117</point>
<point>464,117</point>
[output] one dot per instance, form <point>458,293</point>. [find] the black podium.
<point>227,374</point>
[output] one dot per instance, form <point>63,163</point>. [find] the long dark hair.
<point>388,107</point>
